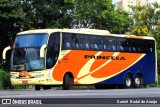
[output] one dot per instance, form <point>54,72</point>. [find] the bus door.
<point>53,50</point>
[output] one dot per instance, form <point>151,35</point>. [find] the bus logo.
<point>104,57</point>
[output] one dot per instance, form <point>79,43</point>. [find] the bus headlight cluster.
<point>39,76</point>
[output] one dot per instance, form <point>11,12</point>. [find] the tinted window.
<point>68,41</point>
<point>53,49</point>
<point>30,40</point>
<point>82,42</point>
<point>94,42</point>
<point>120,45</point>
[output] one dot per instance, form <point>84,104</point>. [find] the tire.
<point>137,82</point>
<point>128,81</point>
<point>37,87</point>
<point>46,87</point>
<point>68,82</point>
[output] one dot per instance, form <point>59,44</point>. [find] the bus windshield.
<point>26,52</point>
<point>30,40</point>
<point>27,59</point>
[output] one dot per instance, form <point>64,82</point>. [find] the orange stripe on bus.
<point>116,66</point>
<point>97,67</point>
<point>99,62</point>
<point>75,61</point>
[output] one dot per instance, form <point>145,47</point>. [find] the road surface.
<point>144,97</point>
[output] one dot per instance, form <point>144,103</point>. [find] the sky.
<point>114,1</point>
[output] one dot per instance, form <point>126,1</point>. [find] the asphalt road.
<point>144,97</point>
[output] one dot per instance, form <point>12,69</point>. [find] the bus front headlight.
<point>13,77</point>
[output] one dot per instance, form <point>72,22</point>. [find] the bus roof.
<point>84,31</point>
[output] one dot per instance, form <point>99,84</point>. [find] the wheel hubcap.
<point>128,82</point>
<point>137,81</point>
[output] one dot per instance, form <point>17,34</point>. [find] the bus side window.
<point>127,46</point>
<point>150,47</point>
<point>144,47</point>
<point>68,45</point>
<point>94,43</point>
<point>96,47</point>
<point>120,46</point>
<point>99,42</point>
<point>111,45</point>
<point>87,46</point>
<point>82,41</point>
<point>104,47</point>
<point>138,46</point>
<point>105,43</point>
<point>77,46</point>
<point>68,41</point>
<point>76,42</point>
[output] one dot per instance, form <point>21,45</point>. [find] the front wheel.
<point>37,87</point>
<point>128,81</point>
<point>68,82</point>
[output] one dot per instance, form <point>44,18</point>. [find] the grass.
<point>156,84</point>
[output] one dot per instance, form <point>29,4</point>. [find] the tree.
<point>10,21</point>
<point>99,14</point>
<point>144,19</point>
<point>47,13</point>
<point>156,32</point>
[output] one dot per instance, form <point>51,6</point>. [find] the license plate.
<point>25,82</point>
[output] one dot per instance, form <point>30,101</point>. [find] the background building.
<point>124,4</point>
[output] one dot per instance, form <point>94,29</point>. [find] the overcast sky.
<point>114,1</point>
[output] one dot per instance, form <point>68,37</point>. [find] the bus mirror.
<point>5,51</point>
<point>42,51</point>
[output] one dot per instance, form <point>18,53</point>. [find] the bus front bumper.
<point>28,81</point>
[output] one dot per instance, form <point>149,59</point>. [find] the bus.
<point>68,57</point>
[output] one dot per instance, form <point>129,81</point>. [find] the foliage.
<point>155,84</point>
<point>47,13</point>
<point>157,37</point>
<point>145,18</point>
<point>4,80</point>
<point>99,14</point>
<point>10,21</point>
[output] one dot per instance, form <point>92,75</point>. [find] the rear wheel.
<point>68,82</point>
<point>128,81</point>
<point>137,82</point>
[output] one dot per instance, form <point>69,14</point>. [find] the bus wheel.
<point>137,82</point>
<point>37,87</point>
<point>46,87</point>
<point>128,81</point>
<point>68,82</point>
